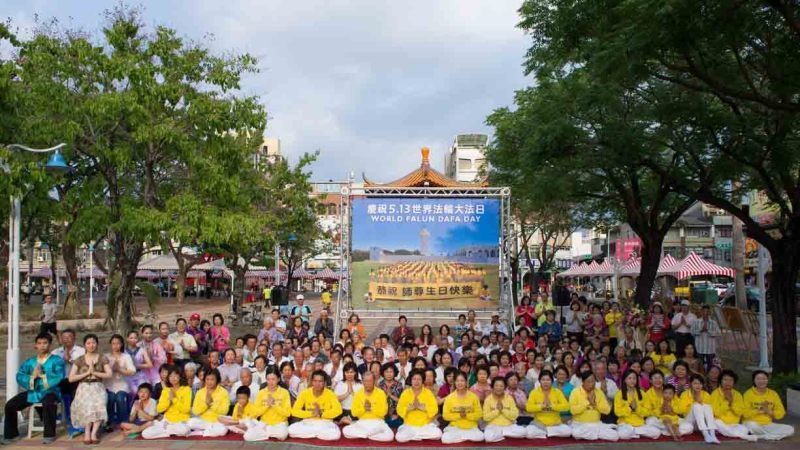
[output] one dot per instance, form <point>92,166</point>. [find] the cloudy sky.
<point>367,82</point>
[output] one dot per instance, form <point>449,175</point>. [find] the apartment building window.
<point>724,231</point>
<point>698,232</point>
<point>464,164</point>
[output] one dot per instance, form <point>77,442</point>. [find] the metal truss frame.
<point>345,302</point>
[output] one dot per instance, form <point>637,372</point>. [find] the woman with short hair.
<point>587,403</point>
<point>462,409</point>
<point>763,406</point>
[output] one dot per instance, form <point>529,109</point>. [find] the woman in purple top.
<point>141,361</point>
<point>156,354</point>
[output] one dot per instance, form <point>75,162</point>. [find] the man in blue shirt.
<point>40,375</point>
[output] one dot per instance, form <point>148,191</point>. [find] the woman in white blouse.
<point>346,389</point>
<point>117,386</point>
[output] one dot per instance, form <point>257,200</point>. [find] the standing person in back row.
<point>301,310</point>
<point>682,324</point>
<point>326,298</point>
<point>706,331</point>
<point>48,316</point>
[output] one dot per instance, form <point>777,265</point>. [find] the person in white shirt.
<point>229,371</point>
<point>345,390</point>
<point>495,326</point>
<point>122,367</point>
<point>609,387</point>
<point>184,343</point>
<point>245,379</point>
<point>473,324</point>
<point>682,324</point>
<point>278,357</point>
<point>334,367</point>
<point>403,365</point>
<point>69,352</point>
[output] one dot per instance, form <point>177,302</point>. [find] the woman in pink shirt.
<point>156,353</point>
<point>220,334</point>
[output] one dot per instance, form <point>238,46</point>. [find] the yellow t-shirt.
<point>417,418</point>
<point>752,400</point>
<point>582,411</point>
<point>730,413</point>
<point>470,403</point>
<point>612,320</point>
<point>328,404</point>
<point>502,418</point>
<point>624,409</point>
<point>663,363</point>
<point>177,410</point>
<point>654,401</point>
<point>279,412</point>
<point>558,404</point>
<point>379,406</point>
<point>220,404</point>
<point>249,412</point>
<point>326,298</point>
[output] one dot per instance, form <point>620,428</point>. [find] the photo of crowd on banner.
<point>595,372</point>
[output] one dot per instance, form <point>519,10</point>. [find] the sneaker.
<point>48,440</point>
<point>5,441</point>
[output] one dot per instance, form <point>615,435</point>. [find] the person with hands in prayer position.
<point>316,407</point>
<point>418,408</point>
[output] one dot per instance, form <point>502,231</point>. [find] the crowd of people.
<point>598,371</point>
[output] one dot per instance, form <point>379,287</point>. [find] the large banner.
<point>425,252</point>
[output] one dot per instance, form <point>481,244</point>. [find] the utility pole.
<point>737,257</point>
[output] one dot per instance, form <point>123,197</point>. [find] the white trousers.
<point>771,432</point>
<point>162,429</point>
<point>735,431</point>
<point>684,427</point>
<point>207,429</point>
<point>627,431</point>
<point>410,433</point>
<point>496,433</point>
<point>454,435</point>
<point>702,417</point>
<point>259,431</point>
<point>315,428</point>
<point>537,430</point>
<point>592,431</point>
<point>374,429</point>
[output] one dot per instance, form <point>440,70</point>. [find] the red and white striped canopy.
<point>326,274</point>
<point>666,264</point>
<point>575,271</point>
<point>631,268</point>
<point>301,273</point>
<point>694,265</point>
<point>603,269</point>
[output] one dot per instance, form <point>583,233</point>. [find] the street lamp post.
<point>56,163</point>
<point>91,280</point>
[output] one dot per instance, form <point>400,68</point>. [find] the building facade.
<point>466,158</point>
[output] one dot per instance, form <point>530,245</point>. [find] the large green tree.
<point>574,141</point>
<point>740,62</point>
<point>148,117</point>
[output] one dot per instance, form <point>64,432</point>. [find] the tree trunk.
<point>651,257</point>
<point>126,259</point>
<point>514,281</point>
<point>785,265</point>
<point>72,304</point>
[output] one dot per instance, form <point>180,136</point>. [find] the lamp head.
<point>292,237</point>
<point>56,163</point>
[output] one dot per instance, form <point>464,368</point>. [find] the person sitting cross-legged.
<point>418,407</point>
<point>546,404</point>
<point>40,375</point>
<point>763,407</point>
<point>587,403</point>
<point>728,406</point>
<point>273,406</point>
<point>210,403</point>
<point>175,403</point>
<point>370,407</point>
<point>462,409</point>
<point>316,407</point>
<point>500,413</point>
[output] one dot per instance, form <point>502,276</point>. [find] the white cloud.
<point>368,82</point>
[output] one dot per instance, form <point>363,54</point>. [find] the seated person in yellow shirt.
<point>210,402</point>
<point>631,410</point>
<point>665,409</point>
<point>587,403</point>
<point>370,407</point>
<point>316,406</point>
<point>175,404</point>
<point>242,411</point>
<point>462,409</point>
<point>762,407</point>
<point>546,404</point>
<point>272,409</point>
<point>500,414</point>
<point>728,406</point>
<point>418,408</point>
<point>697,404</point>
